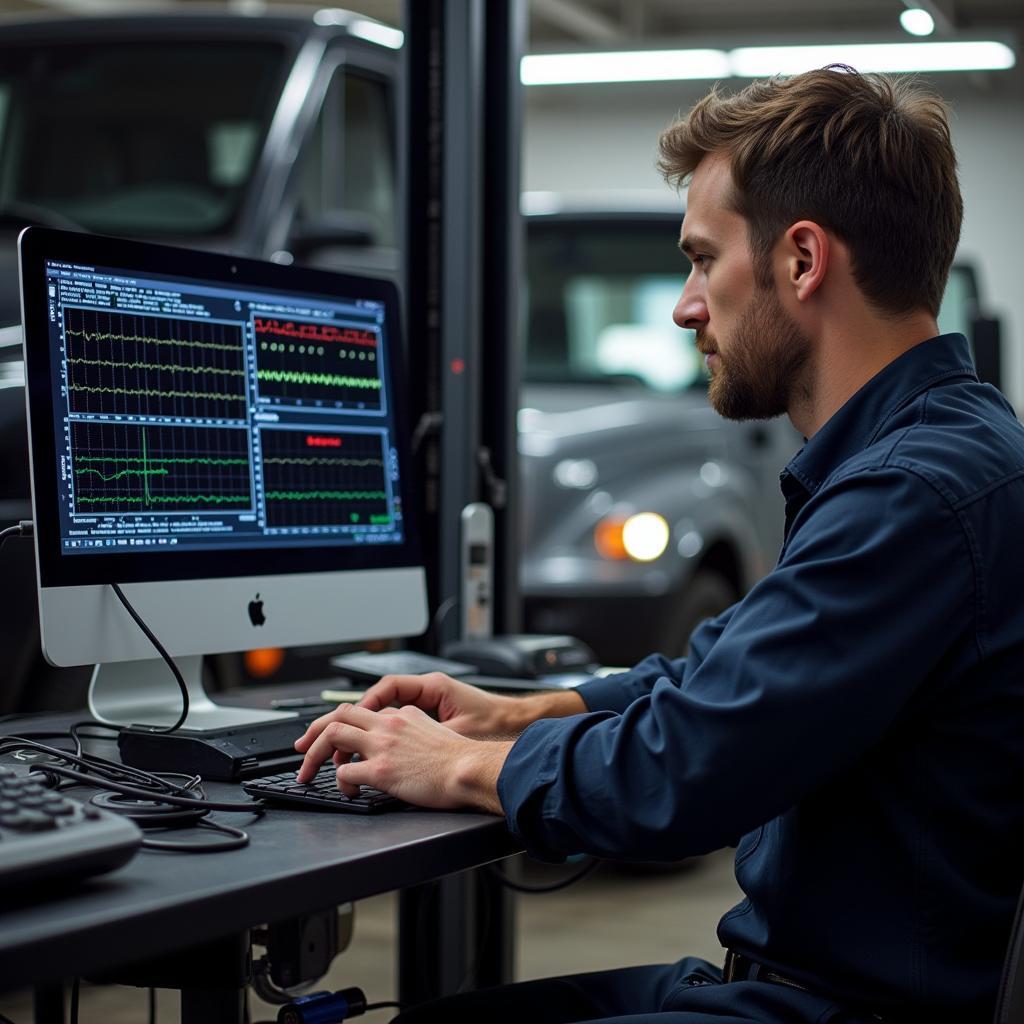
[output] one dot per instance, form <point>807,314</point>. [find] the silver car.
<point>644,512</point>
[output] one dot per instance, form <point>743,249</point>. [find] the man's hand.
<point>465,709</point>
<point>406,753</point>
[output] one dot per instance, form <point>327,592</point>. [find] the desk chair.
<point>1010,1000</point>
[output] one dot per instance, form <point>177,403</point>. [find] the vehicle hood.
<point>625,433</point>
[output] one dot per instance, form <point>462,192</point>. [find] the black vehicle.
<point>271,137</point>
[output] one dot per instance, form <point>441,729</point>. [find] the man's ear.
<point>807,250</point>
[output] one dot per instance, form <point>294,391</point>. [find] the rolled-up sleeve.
<point>795,683</point>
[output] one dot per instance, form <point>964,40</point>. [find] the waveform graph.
<point>324,478</point>
<point>307,363</point>
<point>122,468</point>
<point>144,365</point>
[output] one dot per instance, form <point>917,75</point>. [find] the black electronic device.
<point>545,662</point>
<point>228,754</point>
<point>525,655</point>
<point>46,837</point>
<point>369,666</point>
<point>321,793</point>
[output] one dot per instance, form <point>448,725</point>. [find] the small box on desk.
<point>228,755</point>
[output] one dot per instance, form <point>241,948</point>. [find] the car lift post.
<point>463,251</point>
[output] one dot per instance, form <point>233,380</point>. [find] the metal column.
<point>463,255</point>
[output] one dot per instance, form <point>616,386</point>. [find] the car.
<point>643,511</point>
<point>271,137</point>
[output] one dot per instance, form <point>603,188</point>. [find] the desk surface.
<point>296,861</point>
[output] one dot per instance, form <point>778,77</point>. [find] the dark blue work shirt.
<point>855,723</point>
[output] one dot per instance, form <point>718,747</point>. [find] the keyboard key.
<point>320,793</point>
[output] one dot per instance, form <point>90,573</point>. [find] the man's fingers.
<point>342,713</point>
<point>336,737</point>
<point>353,775</point>
<point>317,726</point>
<point>401,690</point>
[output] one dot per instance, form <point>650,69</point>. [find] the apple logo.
<point>256,616</point>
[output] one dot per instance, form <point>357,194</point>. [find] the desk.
<point>296,862</point>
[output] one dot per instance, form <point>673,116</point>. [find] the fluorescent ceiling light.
<point>638,66</point>
<point>917,22</point>
<point>759,61</point>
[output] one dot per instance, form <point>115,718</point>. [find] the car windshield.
<point>146,139</point>
<point>600,305</point>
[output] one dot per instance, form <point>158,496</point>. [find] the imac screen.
<point>194,415</point>
<point>226,439</point>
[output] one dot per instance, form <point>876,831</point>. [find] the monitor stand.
<point>145,694</point>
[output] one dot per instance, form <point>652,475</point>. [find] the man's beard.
<point>767,355</point>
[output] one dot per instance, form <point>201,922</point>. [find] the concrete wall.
<point>589,139</point>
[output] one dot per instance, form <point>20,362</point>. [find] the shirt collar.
<point>863,417</point>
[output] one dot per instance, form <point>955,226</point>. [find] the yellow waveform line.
<point>147,339</point>
<point>156,392</point>
<point>170,367</point>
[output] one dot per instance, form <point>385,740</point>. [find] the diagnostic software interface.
<point>193,415</point>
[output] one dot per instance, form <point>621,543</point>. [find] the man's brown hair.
<point>868,157</point>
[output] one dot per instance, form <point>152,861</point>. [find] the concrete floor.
<point>611,918</point>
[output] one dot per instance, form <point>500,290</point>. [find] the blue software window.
<point>191,415</point>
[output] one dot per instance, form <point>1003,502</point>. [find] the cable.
<point>73,1012</point>
<point>163,654</point>
<point>500,876</point>
<point>384,1005</point>
<point>256,806</point>
<point>106,770</point>
<point>152,800</point>
<point>23,528</point>
<point>237,839</point>
<point>443,610</point>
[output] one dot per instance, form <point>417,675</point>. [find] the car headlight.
<point>643,537</point>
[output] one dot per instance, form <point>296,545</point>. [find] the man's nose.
<point>691,310</point>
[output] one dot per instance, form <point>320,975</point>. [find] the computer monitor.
<point>227,440</point>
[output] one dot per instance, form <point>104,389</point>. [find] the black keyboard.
<point>44,836</point>
<point>322,793</point>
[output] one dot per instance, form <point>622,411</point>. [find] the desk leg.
<point>454,935</point>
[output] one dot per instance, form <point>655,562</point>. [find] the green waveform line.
<point>321,462</point>
<point>147,340</point>
<point>168,499</point>
<point>326,495</point>
<point>156,392</point>
<point>145,471</point>
<point>170,367</point>
<point>329,379</point>
<point>198,460</point>
<point>124,472</point>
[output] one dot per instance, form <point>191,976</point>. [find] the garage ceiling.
<point>565,25</point>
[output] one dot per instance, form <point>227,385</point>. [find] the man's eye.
<point>700,260</point>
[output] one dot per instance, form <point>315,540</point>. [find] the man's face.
<point>755,350</point>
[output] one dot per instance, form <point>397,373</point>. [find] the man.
<point>854,724</point>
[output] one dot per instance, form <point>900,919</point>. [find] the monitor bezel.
<point>36,246</point>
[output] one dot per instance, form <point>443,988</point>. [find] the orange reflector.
<point>608,539</point>
<point>263,662</point>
